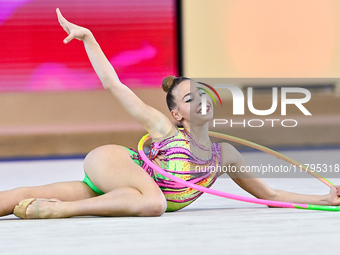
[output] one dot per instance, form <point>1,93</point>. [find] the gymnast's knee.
<point>154,208</point>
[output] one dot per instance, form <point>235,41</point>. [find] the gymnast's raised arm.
<point>155,122</point>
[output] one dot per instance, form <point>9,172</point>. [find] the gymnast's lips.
<point>200,110</point>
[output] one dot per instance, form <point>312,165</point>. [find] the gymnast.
<point>118,183</point>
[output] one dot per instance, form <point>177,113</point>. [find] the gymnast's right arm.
<point>155,122</point>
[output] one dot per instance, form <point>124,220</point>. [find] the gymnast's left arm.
<point>258,188</point>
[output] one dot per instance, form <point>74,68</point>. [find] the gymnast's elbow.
<point>108,88</point>
<point>107,85</point>
<point>273,196</point>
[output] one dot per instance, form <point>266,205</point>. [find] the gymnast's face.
<point>188,99</point>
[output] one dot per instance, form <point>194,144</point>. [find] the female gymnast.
<point>118,183</point>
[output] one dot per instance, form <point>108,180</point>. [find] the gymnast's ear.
<point>176,115</point>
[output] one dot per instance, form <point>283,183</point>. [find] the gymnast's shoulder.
<point>229,154</point>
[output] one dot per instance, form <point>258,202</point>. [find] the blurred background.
<point>52,103</point>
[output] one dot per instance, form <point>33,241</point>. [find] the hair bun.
<point>168,82</point>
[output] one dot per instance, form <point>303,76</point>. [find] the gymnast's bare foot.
<point>39,208</point>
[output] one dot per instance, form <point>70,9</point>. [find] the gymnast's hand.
<point>334,195</point>
<point>74,31</point>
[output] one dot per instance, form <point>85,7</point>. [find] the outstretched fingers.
<point>74,31</point>
<point>59,15</point>
<point>66,26</point>
<point>63,22</point>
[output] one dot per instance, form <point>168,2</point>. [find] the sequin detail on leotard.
<point>181,162</point>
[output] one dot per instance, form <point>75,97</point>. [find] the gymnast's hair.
<point>168,85</point>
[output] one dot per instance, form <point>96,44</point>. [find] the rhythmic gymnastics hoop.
<point>238,197</point>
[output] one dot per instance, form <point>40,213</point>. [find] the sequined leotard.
<point>181,162</point>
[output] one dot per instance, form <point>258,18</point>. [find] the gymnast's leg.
<point>129,190</point>
<point>65,191</point>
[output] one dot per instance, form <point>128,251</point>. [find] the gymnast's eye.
<point>202,93</point>
<point>188,98</point>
